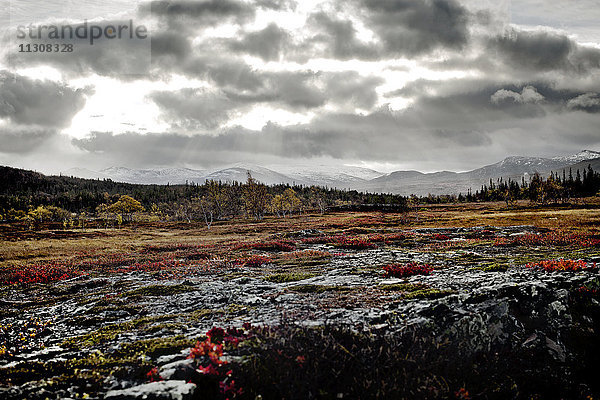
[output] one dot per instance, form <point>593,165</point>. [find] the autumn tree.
<point>126,206</point>
<point>215,199</point>
<point>291,201</point>
<point>256,198</point>
<point>277,206</point>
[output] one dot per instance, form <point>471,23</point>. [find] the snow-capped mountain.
<point>363,179</point>
<point>160,176</point>
<point>516,166</point>
<point>327,175</point>
<point>84,173</point>
<point>581,156</point>
<point>239,172</point>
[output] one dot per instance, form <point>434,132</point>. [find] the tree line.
<point>559,187</point>
<point>29,195</point>
<point>26,195</point>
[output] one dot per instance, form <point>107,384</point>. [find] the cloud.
<point>296,90</point>
<point>414,28</point>
<point>278,5</point>
<point>268,44</point>
<point>194,108</point>
<point>22,140</point>
<point>353,89</point>
<point>380,136</point>
<point>529,94</point>
<point>208,12</point>
<point>340,39</point>
<point>589,102</point>
<point>124,58</point>
<point>543,51</point>
<point>35,102</point>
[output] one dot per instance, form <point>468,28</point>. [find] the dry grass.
<point>581,217</point>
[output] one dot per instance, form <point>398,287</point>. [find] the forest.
<point>28,195</point>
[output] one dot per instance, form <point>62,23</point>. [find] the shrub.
<point>560,265</point>
<point>38,273</point>
<point>356,243</point>
<point>549,239</point>
<point>405,270</point>
<point>254,261</point>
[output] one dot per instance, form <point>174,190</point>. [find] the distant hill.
<point>356,178</point>
<point>515,167</point>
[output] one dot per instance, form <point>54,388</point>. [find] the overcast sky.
<point>386,84</point>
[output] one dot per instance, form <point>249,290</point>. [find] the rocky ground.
<point>128,334</point>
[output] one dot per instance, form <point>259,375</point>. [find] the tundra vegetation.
<point>243,290</point>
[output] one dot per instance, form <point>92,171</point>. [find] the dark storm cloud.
<point>413,28</point>
<point>379,135</point>
<point>34,102</point>
<point>541,51</point>
<point>534,50</point>
<point>192,109</point>
<point>170,44</point>
<point>468,128</point>
<point>206,12</point>
<point>23,140</point>
<point>306,90</point>
<point>457,116</point>
<point>268,43</point>
<point>294,90</point>
<point>339,38</point>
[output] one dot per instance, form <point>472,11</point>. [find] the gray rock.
<point>164,390</point>
<point>182,370</point>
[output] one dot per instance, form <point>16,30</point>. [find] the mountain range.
<point>358,178</point>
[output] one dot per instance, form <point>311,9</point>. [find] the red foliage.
<point>38,273</point>
<point>560,265</point>
<point>462,394</point>
<point>253,261</point>
<point>209,352</point>
<point>439,236</point>
<point>153,375</point>
<point>357,243</point>
<point>549,239</point>
<point>404,270</point>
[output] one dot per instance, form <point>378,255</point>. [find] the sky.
<point>390,85</point>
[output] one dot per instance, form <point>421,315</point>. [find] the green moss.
<point>200,314</point>
<point>416,290</point>
<point>154,347</point>
<point>289,277</point>
<point>427,294</point>
<point>111,332</point>
<point>129,360</point>
<point>495,268</point>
